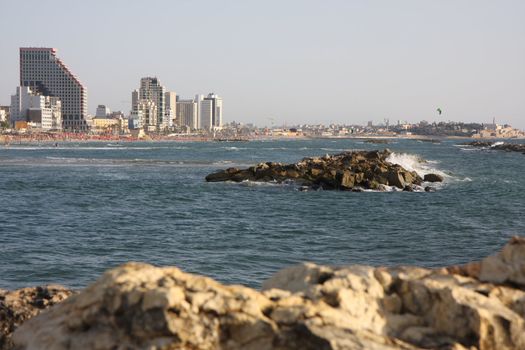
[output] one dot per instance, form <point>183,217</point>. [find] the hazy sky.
<point>293,60</point>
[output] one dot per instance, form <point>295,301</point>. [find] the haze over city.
<point>293,61</point>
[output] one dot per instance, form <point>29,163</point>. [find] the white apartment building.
<point>4,113</point>
<point>187,113</point>
<point>145,115</point>
<point>46,74</point>
<point>39,111</point>
<point>171,109</point>
<point>198,99</point>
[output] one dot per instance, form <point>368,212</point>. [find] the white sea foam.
<point>414,163</point>
<point>497,144</point>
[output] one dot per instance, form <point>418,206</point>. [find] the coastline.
<point>9,139</point>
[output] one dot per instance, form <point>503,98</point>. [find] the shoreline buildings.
<point>211,112</point>
<point>46,75</point>
<point>188,113</point>
<point>152,107</point>
<point>29,108</point>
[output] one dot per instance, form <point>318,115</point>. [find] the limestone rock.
<point>22,304</point>
<point>138,306</point>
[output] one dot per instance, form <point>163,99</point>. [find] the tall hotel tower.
<point>45,73</point>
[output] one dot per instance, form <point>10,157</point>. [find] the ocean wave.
<point>233,148</point>
<point>415,163</point>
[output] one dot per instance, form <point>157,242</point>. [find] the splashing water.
<point>415,163</point>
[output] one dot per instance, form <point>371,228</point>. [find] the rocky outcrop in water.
<point>377,141</point>
<point>346,171</point>
<point>139,306</point>
<point>20,305</point>
<point>433,178</point>
<point>508,147</point>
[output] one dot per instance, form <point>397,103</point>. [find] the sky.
<point>290,61</point>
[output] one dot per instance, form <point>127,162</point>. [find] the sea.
<point>70,211</point>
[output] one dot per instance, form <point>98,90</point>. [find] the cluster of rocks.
<point>346,171</point>
<point>377,141</point>
<point>139,306</point>
<point>20,305</point>
<point>508,147</point>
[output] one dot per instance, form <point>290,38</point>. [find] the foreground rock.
<point>20,305</point>
<point>346,171</point>
<point>138,306</point>
<point>508,147</point>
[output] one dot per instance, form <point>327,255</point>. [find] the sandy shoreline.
<point>8,139</point>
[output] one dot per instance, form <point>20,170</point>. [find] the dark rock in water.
<point>222,175</point>
<point>433,178</point>
<point>478,144</point>
<point>508,147</point>
<point>408,188</point>
<point>430,189</point>
<point>428,140</point>
<point>377,141</point>
<point>20,305</point>
<point>344,171</point>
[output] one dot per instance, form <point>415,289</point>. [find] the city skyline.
<point>343,62</point>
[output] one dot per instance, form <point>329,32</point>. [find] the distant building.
<point>102,111</point>
<point>187,113</point>
<point>216,110</point>
<point>30,108</point>
<point>151,91</point>
<point>198,99</point>
<point>47,75</point>
<point>4,113</point>
<point>144,116</point>
<point>206,114</point>
<point>115,123</point>
<point>171,108</point>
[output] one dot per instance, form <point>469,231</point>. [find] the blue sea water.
<point>70,212</point>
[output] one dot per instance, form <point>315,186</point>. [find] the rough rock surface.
<point>508,147</point>
<point>346,171</point>
<point>138,306</point>
<point>433,178</point>
<point>22,304</point>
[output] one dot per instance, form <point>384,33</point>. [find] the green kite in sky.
<point>439,111</point>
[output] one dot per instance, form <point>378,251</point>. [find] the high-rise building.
<point>46,74</point>
<point>206,114</point>
<point>171,108</point>
<point>39,111</point>
<point>198,99</point>
<point>152,90</point>
<point>216,110</point>
<point>187,113</point>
